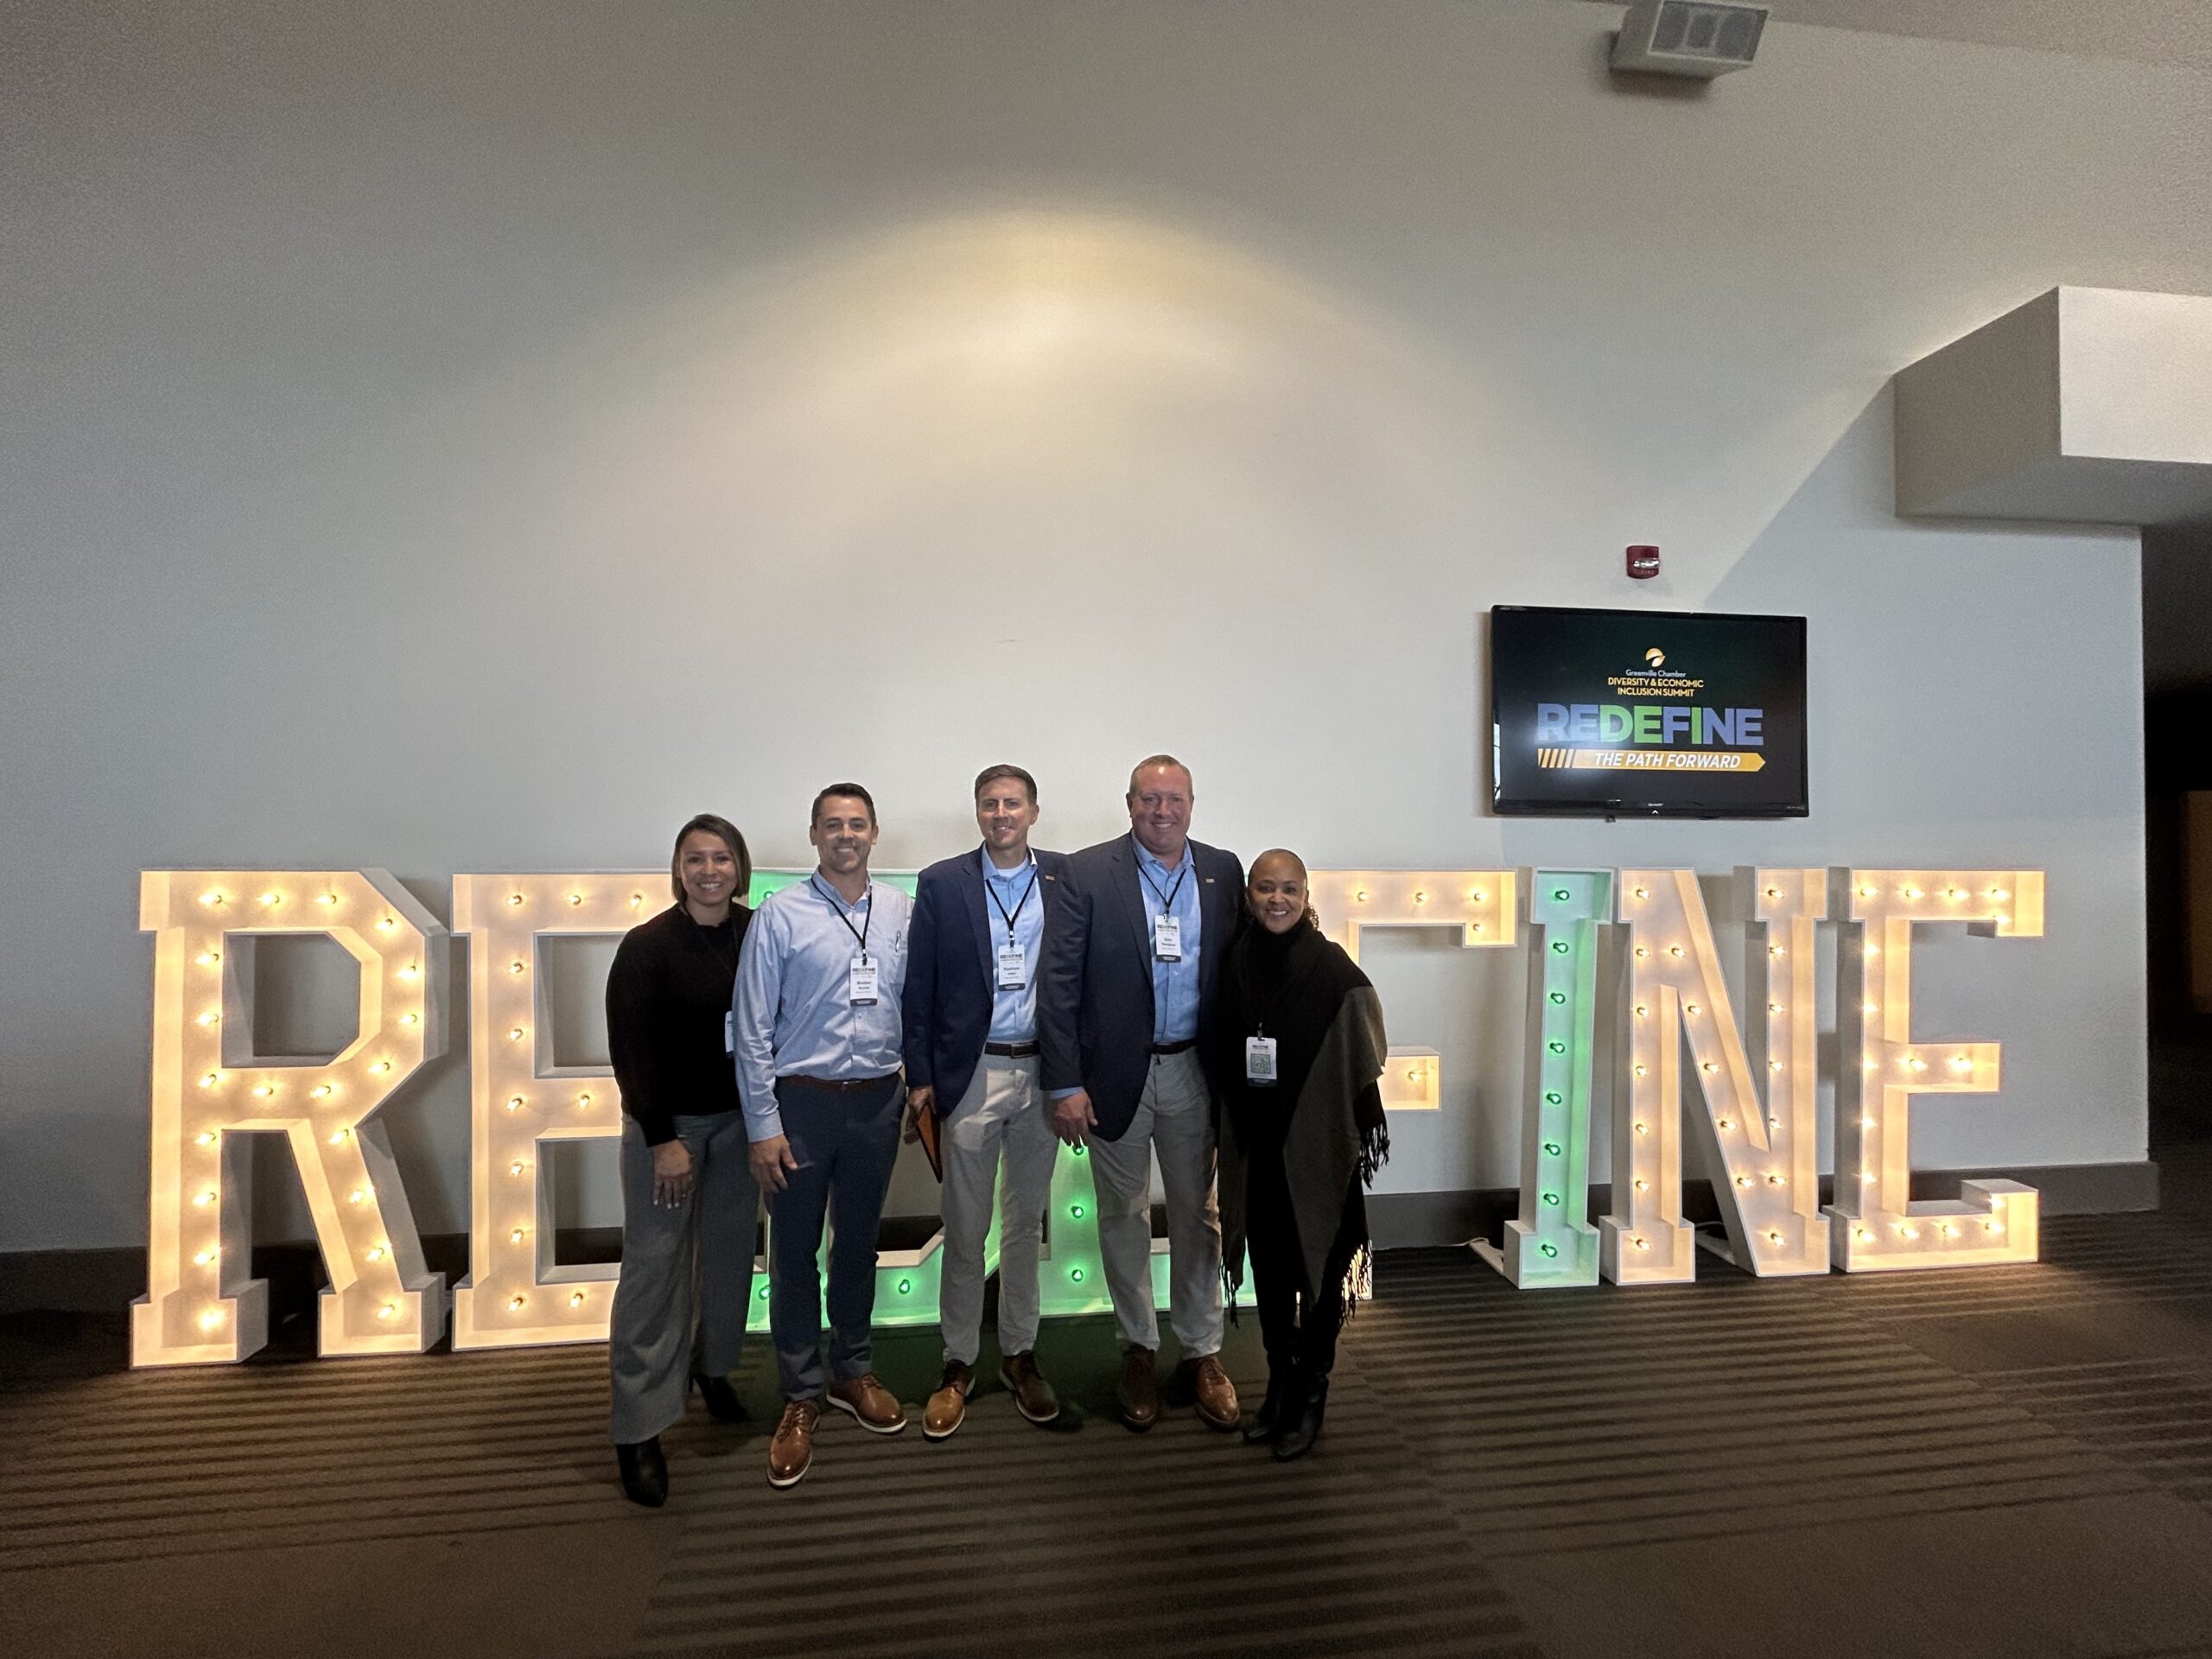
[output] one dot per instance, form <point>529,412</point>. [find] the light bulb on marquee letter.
<point>1761,1150</point>
<point>517,1293</point>
<point>1783,1047</point>
<point>210,1085</point>
<point>1877,1226</point>
<point>1551,1243</point>
<point>1480,905</point>
<point>518,1100</point>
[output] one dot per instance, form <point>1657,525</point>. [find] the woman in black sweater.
<point>689,1202</point>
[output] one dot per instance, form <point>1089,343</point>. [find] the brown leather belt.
<point>1175,1048</point>
<point>841,1085</point>
<point>1013,1051</point>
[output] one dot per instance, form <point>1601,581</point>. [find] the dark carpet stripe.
<point>1469,1424</point>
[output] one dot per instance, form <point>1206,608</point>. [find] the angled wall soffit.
<point>2086,405</point>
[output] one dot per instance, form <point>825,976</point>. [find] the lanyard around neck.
<point>1020,904</point>
<point>1166,900</point>
<point>860,933</point>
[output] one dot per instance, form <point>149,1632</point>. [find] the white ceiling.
<point>2146,31</point>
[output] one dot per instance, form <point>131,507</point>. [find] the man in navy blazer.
<point>974,951</point>
<point>1133,956</point>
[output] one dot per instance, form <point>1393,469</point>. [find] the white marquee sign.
<point>516,1296</point>
<point>1757,1079</point>
<point>210,1082</point>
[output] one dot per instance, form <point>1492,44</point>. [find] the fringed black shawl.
<point>1326,1110</point>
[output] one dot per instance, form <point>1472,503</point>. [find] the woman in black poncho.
<point>1299,1045</point>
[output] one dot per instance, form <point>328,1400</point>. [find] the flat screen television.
<point>1665,713</point>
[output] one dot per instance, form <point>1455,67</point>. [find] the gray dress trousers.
<point>686,1273</point>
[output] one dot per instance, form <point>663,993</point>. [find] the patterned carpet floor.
<point>2009,1462</point>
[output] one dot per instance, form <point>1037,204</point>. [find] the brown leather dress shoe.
<point>948,1408</point>
<point>1140,1390</point>
<point>1215,1395</point>
<point>792,1450</point>
<point>1033,1395</point>
<point>876,1406</point>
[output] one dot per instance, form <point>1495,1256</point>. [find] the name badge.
<point>729,1031</point>
<point>1014,968</point>
<point>1167,939</point>
<point>1260,1061</point>
<point>861,988</point>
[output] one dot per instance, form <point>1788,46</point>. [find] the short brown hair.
<point>1161,761</point>
<point>991,774</point>
<point>853,791</point>
<point>726,832</point>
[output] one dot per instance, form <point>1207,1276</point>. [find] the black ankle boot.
<point>1267,1422</point>
<point>645,1472</point>
<point>1301,1424</point>
<point>722,1403</point>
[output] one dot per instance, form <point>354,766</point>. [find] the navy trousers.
<point>845,1140</point>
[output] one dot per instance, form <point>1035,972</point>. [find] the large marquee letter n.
<point>1759,1148</point>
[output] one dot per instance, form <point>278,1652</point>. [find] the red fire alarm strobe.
<point>1643,561</point>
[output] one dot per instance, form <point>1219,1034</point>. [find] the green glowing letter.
<point>1552,1242</point>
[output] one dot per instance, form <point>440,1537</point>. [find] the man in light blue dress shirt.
<point>815,1034</point>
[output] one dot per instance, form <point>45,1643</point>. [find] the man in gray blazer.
<point>1132,965</point>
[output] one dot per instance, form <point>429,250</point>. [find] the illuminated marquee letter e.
<point>1878,1224</point>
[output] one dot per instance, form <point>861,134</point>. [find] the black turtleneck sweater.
<point>667,997</point>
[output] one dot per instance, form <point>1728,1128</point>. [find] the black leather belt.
<point>841,1085</point>
<point>1175,1048</point>
<point>1013,1051</point>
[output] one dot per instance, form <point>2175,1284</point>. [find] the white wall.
<point>475,436</point>
<point>2150,31</point>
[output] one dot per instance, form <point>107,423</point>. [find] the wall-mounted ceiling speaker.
<point>1688,37</point>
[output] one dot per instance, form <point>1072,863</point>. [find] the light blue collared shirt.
<point>793,1005</point>
<point>1014,893</point>
<point>1174,984</point>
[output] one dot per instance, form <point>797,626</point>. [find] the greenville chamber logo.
<point>1652,677</point>
<point>1682,734</point>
